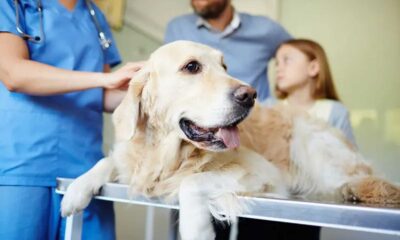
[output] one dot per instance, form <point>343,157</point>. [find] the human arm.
<point>345,125</point>
<point>278,35</point>
<point>113,97</point>
<point>20,74</point>
<point>170,34</point>
<point>340,119</point>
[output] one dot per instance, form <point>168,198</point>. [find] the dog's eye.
<point>192,67</point>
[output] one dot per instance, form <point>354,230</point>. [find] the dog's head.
<point>184,88</point>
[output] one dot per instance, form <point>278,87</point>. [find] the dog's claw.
<point>76,198</point>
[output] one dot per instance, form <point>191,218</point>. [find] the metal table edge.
<point>342,216</point>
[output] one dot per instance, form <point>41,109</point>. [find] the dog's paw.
<point>371,190</point>
<point>349,193</point>
<point>226,207</point>
<point>77,197</point>
<point>189,234</point>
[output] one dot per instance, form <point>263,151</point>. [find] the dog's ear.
<point>126,115</point>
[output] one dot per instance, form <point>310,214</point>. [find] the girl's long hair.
<point>324,86</point>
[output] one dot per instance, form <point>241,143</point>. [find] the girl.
<point>304,80</point>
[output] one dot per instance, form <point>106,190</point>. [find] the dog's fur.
<point>283,152</point>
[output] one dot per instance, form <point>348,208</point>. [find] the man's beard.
<point>211,11</point>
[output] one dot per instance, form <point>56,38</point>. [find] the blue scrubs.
<point>44,137</point>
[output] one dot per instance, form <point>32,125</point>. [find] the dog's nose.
<point>244,96</point>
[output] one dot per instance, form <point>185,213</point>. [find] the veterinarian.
<point>304,81</point>
<point>53,90</point>
<point>247,42</point>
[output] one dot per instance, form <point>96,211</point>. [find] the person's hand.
<point>120,78</point>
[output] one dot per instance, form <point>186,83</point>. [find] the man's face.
<point>209,9</point>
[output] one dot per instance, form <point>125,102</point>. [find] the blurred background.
<point>362,41</point>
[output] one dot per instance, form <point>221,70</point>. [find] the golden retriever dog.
<point>177,137</point>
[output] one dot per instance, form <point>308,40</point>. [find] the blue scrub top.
<point>44,137</point>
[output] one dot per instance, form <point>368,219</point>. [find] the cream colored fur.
<point>283,152</point>
<point>316,161</point>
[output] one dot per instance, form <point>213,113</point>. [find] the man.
<point>248,42</point>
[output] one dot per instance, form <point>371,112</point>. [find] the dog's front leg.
<point>201,193</point>
<point>82,189</point>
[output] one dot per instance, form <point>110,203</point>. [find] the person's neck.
<point>69,4</point>
<point>301,99</point>
<point>223,20</point>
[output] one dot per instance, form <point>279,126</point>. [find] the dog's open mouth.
<point>226,136</point>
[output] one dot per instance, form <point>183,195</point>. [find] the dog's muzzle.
<point>244,96</point>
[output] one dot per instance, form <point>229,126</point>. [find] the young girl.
<point>304,80</point>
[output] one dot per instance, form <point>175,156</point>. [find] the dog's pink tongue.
<point>230,136</point>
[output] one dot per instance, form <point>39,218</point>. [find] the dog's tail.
<point>371,190</point>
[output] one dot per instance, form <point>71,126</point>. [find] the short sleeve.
<point>280,35</point>
<point>340,118</point>
<point>112,56</point>
<point>170,33</point>
<point>277,34</point>
<point>8,21</point>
